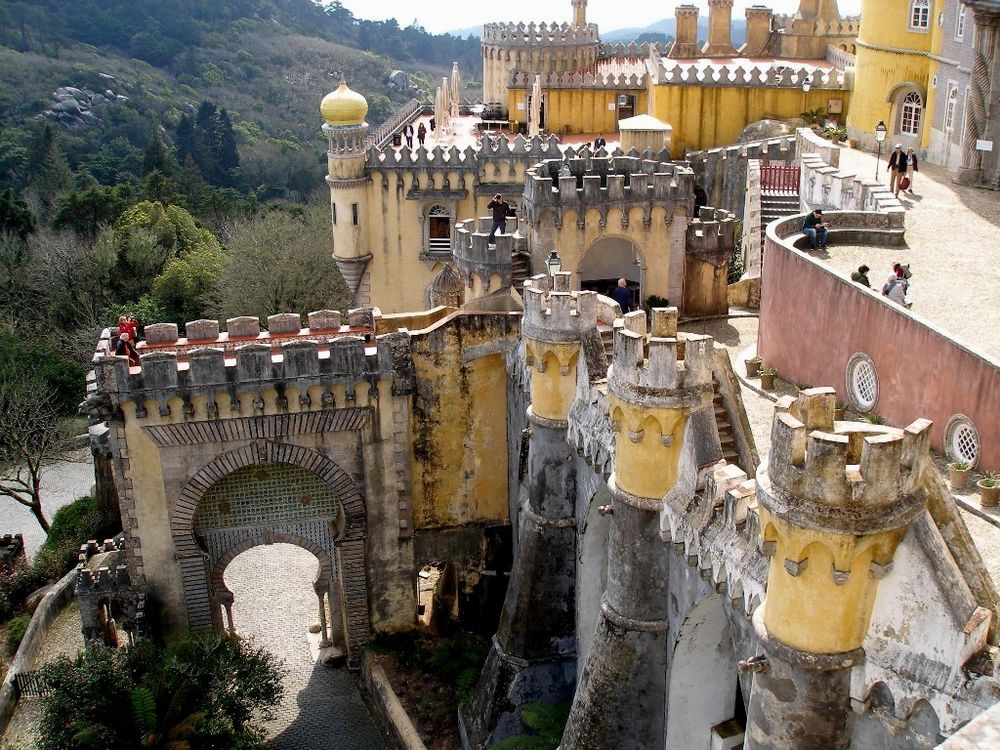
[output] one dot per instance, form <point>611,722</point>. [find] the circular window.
<point>961,439</point>
<point>862,382</point>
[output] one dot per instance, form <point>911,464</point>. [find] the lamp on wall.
<point>554,263</point>
<point>807,83</point>
<point>880,133</point>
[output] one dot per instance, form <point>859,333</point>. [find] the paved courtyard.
<point>274,606</point>
<point>953,246</point>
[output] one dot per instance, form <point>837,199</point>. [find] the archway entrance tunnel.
<point>610,259</point>
<point>269,534</point>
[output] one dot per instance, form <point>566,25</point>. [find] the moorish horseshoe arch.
<point>349,545</point>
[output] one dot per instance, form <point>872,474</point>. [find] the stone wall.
<point>866,322</point>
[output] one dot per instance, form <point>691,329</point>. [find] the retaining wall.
<point>393,717</point>
<point>812,321</point>
<point>50,606</point>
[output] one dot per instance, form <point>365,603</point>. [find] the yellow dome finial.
<point>343,107</point>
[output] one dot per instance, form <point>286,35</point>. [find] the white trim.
<point>919,19</point>
<point>860,366</point>
<point>960,23</point>
<point>959,434</point>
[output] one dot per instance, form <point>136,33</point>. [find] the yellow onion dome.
<point>344,107</point>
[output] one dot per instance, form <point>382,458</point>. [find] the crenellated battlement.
<point>646,365</point>
<point>552,313</point>
<point>770,75</point>
<point>630,49</point>
<point>453,158</point>
<point>712,232</point>
<point>100,567</point>
<point>862,475</point>
<point>579,80</point>
<point>601,183</point>
<point>542,34</point>
<point>345,140</point>
<point>474,255</point>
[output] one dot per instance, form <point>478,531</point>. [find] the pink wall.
<point>812,321</point>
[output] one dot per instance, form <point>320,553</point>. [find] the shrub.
<point>16,629</point>
<point>15,587</point>
<point>72,525</point>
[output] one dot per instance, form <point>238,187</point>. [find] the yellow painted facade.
<point>647,447</point>
<point>810,610</point>
<point>893,59</point>
<point>577,110</point>
<point>553,377</point>
<point>710,116</point>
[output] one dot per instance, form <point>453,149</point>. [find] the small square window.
<point>355,214</point>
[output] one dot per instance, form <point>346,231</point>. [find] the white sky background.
<point>445,15</point>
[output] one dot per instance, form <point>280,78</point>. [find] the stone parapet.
<point>476,256</point>
<point>537,35</point>
<point>847,477</point>
<point>775,75</point>
<point>601,184</point>
<point>345,140</point>
<point>554,314</point>
<point>712,233</point>
<point>649,371</point>
<point>453,158</point>
<point>578,80</point>
<point>629,49</point>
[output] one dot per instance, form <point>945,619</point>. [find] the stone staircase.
<point>726,437</point>
<point>776,207</point>
<point>520,268</point>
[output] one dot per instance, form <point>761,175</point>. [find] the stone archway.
<point>703,678</point>
<point>609,259</point>
<point>348,546</point>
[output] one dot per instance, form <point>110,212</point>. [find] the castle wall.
<point>710,116</point>
<point>577,110</point>
<point>459,425</point>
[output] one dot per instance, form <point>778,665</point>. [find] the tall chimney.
<point>758,30</point>
<point>720,29</point>
<point>686,41</point>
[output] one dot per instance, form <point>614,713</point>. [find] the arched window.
<point>910,114</point>
<point>439,229</point>
<point>920,15</point>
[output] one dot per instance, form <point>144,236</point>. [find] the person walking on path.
<point>897,168</point>
<point>408,134</point>
<point>421,134</point>
<point>500,209</point>
<point>814,228</point>
<point>911,168</point>
<point>623,296</point>
<point>861,276</point>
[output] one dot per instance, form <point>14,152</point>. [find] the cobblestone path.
<point>274,606</point>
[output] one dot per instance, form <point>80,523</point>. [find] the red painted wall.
<point>812,321</point>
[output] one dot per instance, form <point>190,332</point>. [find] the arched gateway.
<point>264,493</point>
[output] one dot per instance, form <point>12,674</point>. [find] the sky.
<point>445,15</point>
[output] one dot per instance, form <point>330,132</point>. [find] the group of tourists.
<point>125,339</point>
<point>902,169</point>
<point>896,287</point>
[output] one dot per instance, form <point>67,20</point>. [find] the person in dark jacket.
<point>911,168</point>
<point>421,134</point>
<point>814,228</point>
<point>861,276</point>
<point>623,296</point>
<point>500,209</point>
<point>896,168</point>
<point>408,134</point>
<point>599,142</point>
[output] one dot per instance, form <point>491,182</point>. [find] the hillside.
<point>267,63</point>
<point>668,27</point>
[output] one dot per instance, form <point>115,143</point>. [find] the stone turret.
<point>653,400</point>
<point>710,241</point>
<point>720,29</point>
<point>835,499</point>
<point>579,13</point>
<point>759,19</point>
<point>686,44</point>
<point>534,651</point>
<point>343,111</point>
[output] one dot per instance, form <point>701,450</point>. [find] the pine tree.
<point>49,173</point>
<point>157,157</point>
<point>15,216</point>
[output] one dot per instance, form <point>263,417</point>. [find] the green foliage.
<point>546,722</point>
<point>86,211</point>
<point>200,691</point>
<point>72,525</point>
<point>15,216</point>
<point>188,287</point>
<point>15,632</point>
<point>813,116</point>
<point>959,465</point>
<point>458,659</point>
<point>15,587</point>
<point>871,417</point>
<point>58,376</point>
<point>280,262</point>
<point>655,300</point>
<point>989,479</point>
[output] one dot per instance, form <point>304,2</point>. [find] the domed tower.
<point>530,48</point>
<point>893,44</point>
<point>344,113</point>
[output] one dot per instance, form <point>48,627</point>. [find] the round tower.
<point>835,499</point>
<point>653,400</point>
<point>532,49</point>
<point>534,651</point>
<point>345,128</point>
